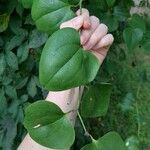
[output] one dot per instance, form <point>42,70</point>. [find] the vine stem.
<point>80,4</point>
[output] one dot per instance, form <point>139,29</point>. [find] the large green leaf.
<point>110,141</point>
<point>48,125</point>
<point>95,101</point>
<point>132,37</point>
<point>64,64</point>
<point>49,14</point>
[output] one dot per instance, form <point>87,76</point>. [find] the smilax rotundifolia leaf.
<point>49,14</point>
<point>64,63</point>
<point>48,125</point>
<point>110,141</point>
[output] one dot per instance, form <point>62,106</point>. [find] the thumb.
<point>75,23</point>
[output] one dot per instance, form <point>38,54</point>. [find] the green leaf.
<point>26,3</point>
<point>137,22</point>
<point>4,20</point>
<point>111,22</point>
<point>49,14</point>
<point>15,41</point>
<point>21,83</point>
<point>3,102</point>
<point>110,3</point>
<point>46,123</point>
<point>132,37</point>
<point>110,141</point>
<point>2,64</point>
<point>11,92</point>
<point>23,52</point>
<point>37,39</point>
<point>64,64</point>
<point>121,13</point>
<point>12,60</point>
<point>31,87</point>
<point>95,101</point>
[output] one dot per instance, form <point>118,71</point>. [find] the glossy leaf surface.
<point>64,63</point>
<point>46,123</point>
<point>110,141</point>
<point>49,14</point>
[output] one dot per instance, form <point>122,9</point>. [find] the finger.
<point>106,41</point>
<point>101,54</point>
<point>98,34</point>
<point>75,23</point>
<point>86,34</point>
<point>86,15</point>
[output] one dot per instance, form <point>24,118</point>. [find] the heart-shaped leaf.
<point>110,141</point>
<point>95,101</point>
<point>46,123</point>
<point>49,14</point>
<point>132,37</point>
<point>64,64</point>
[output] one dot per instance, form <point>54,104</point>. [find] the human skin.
<point>94,38</point>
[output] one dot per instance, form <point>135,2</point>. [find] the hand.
<point>93,34</point>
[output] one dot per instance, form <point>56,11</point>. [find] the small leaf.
<point>11,92</point>
<point>22,83</point>
<point>110,141</point>
<point>23,52</point>
<point>31,87</point>
<point>110,3</point>
<point>2,64</point>
<point>137,22</point>
<point>111,22</point>
<point>4,20</point>
<point>3,102</point>
<point>132,37</point>
<point>95,101</point>
<point>15,42</point>
<point>37,39</point>
<point>46,123</point>
<point>12,60</point>
<point>121,13</point>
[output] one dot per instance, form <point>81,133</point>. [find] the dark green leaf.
<point>121,13</point>
<point>137,22</point>
<point>64,64</point>
<point>95,101</point>
<point>111,22</point>
<point>46,123</point>
<point>22,83</point>
<point>110,3</point>
<point>31,87</point>
<point>23,52</point>
<point>4,20</point>
<point>3,102</point>
<point>110,141</point>
<point>132,37</point>
<point>26,3</point>
<point>49,14</point>
<point>2,64</point>
<point>37,39</point>
<point>12,60</point>
<point>11,92</point>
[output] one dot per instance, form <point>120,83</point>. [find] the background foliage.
<point>127,68</point>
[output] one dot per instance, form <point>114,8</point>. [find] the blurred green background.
<point>127,67</point>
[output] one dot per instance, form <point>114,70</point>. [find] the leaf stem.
<point>83,125</point>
